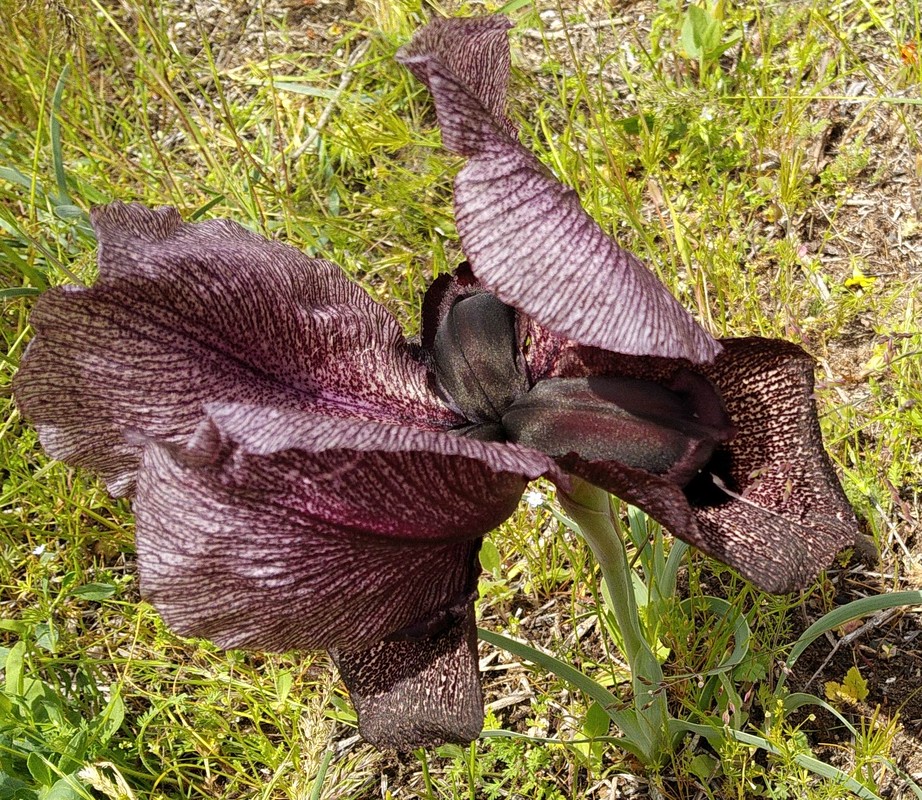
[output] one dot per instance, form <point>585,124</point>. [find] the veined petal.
<point>277,529</point>
<point>418,692</point>
<point>455,46</point>
<point>526,235</point>
<point>185,314</point>
<point>769,503</point>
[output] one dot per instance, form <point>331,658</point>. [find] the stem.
<point>590,509</point>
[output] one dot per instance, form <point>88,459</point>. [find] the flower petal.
<point>640,423</point>
<point>184,314</point>
<point>418,692</point>
<point>776,511</point>
<point>275,529</point>
<point>526,235</point>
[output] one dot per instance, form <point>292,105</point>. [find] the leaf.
<point>846,613</point>
<point>701,34</point>
<point>40,769</point>
<point>283,684</point>
<point>67,788</point>
<point>94,591</point>
<point>489,558</point>
<point>625,719</point>
<point>597,721</point>
<point>514,5</point>
<point>853,689</point>
<point>112,716</point>
<point>704,767</point>
<point>13,668</point>
<point>54,129</point>
<point>306,89</point>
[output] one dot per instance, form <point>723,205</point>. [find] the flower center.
<point>477,360</point>
<point>667,429</point>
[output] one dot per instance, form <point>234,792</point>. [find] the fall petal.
<point>768,503</point>
<point>776,465</point>
<point>526,235</point>
<point>276,529</point>
<point>418,692</point>
<point>185,314</point>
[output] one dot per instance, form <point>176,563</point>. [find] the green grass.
<point>774,188</point>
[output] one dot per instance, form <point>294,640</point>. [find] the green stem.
<point>590,508</point>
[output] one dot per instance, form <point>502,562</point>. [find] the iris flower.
<point>304,477</point>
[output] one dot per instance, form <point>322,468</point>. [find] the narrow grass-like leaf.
<point>54,130</point>
<point>817,767</point>
<point>307,89</point>
<point>514,5</point>
<point>624,719</point>
<point>799,699</point>
<point>848,612</point>
<point>741,632</point>
<point>204,209</point>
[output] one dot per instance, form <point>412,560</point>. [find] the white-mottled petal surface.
<point>418,692</point>
<point>279,529</point>
<point>526,235</point>
<point>186,314</point>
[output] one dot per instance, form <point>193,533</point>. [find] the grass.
<point>774,187</point>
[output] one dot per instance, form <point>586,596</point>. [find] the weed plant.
<point>763,158</point>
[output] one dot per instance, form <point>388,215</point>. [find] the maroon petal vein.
<point>184,314</point>
<point>526,235</point>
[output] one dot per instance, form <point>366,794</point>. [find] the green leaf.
<point>701,34</point>
<point>514,5</point>
<point>703,767</point>
<point>623,718</point>
<point>40,769</point>
<point>54,128</point>
<point>283,683</point>
<point>22,291</point>
<point>489,558</point>
<point>110,719</point>
<point>66,788</point>
<point>597,722</point>
<point>94,591</point>
<point>716,734</point>
<point>850,611</point>
<point>304,88</point>
<point>13,668</point>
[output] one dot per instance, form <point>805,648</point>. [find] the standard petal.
<point>418,692</point>
<point>185,314</point>
<point>276,529</point>
<point>476,51</point>
<point>526,235</point>
<point>768,503</point>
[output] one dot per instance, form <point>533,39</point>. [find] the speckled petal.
<point>526,235</point>
<point>276,529</point>
<point>418,692</point>
<point>185,314</point>
<point>769,503</point>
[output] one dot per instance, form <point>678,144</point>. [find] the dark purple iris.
<point>305,478</point>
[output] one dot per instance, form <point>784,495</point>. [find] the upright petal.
<point>460,45</point>
<point>185,314</point>
<point>526,235</point>
<point>769,503</point>
<point>276,529</point>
